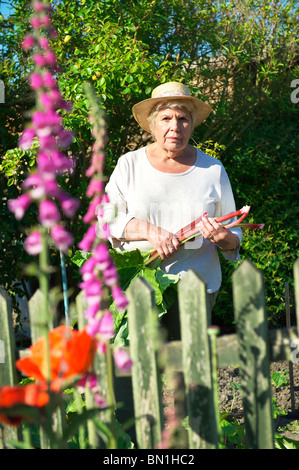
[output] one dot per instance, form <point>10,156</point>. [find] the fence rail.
<point>251,348</point>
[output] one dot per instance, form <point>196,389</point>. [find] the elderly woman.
<point>164,186</point>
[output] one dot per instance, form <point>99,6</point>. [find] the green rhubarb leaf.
<point>128,264</point>
<point>80,257</point>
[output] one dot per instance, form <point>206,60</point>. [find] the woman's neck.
<point>171,161</point>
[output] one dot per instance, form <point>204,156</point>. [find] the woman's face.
<point>172,129</point>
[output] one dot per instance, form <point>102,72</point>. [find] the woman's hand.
<point>217,234</point>
<point>163,241</point>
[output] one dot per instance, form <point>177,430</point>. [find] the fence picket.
<point>251,348</point>
<point>38,323</point>
<point>196,362</point>
<point>145,374</point>
<point>8,375</point>
<point>252,331</point>
<point>37,316</point>
<point>7,365</point>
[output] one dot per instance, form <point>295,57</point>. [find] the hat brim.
<point>142,110</point>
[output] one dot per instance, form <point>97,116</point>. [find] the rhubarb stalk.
<point>192,230</point>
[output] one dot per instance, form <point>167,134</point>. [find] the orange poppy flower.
<point>71,355</point>
<point>32,395</point>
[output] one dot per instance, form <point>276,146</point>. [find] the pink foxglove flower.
<point>28,42</point>
<point>106,327</point>
<point>47,127</point>
<point>26,139</point>
<point>33,243</point>
<point>38,6</point>
<point>45,164</point>
<point>48,213</point>
<point>91,212</point>
<point>87,270</point>
<point>20,205</point>
<point>102,257</point>
<point>92,311</point>
<point>39,60</point>
<point>123,360</point>
<point>93,326</point>
<point>61,162</point>
<point>101,326</point>
<point>68,204</point>
<point>45,20</point>
<point>35,22</point>
<point>91,381</point>
<point>119,298</point>
<point>65,138</point>
<point>62,238</point>
<point>50,58</point>
<point>36,81</point>
<point>88,239</point>
<point>110,275</point>
<point>99,273</point>
<point>48,80</point>
<point>93,290</point>
<point>95,186</point>
<point>44,42</point>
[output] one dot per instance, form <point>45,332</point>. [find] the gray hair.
<point>173,105</point>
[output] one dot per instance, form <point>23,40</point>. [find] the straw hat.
<point>167,92</point>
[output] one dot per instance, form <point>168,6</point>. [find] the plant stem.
<point>111,397</point>
<point>44,287</point>
<point>44,326</point>
<point>81,432</point>
<point>27,438</point>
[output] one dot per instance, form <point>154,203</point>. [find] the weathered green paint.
<point>39,324</point>
<point>145,374</point>
<point>38,318</point>
<point>250,349</point>
<point>8,348</point>
<point>196,362</point>
<point>228,349</point>
<point>251,322</point>
<point>8,374</point>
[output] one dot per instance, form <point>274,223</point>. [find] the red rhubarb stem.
<point>243,212</point>
<point>192,230</point>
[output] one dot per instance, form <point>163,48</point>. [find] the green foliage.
<point>280,379</point>
<point>17,161</point>
<point>263,173</point>
<point>129,266</point>
<point>232,434</point>
<point>239,56</point>
<point>98,43</point>
<point>276,410</point>
<point>284,442</point>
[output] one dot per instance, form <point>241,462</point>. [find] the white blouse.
<point>172,200</point>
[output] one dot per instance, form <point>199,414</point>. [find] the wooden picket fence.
<point>251,348</point>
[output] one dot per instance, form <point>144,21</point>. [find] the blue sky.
<point>4,8</point>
